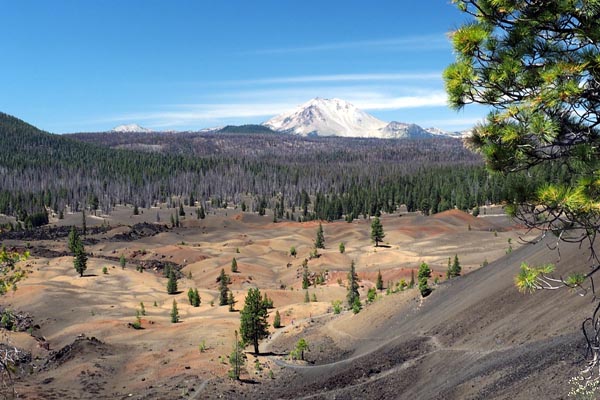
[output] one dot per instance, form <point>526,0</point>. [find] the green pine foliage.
<point>231,301</point>
<point>80,258</point>
<point>234,266</point>
<point>353,286</point>
<point>424,274</point>
<point>379,282</point>
<point>253,319</point>
<point>377,233</point>
<point>174,313</point>
<point>172,283</point>
<point>305,274</point>
<point>277,320</point>
<point>223,280</point>
<point>320,239</point>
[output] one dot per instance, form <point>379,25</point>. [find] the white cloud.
<point>412,43</point>
<point>191,114</point>
<point>403,76</point>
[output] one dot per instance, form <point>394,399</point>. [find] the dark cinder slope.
<point>475,337</point>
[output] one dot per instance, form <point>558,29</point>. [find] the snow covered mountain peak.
<point>327,117</point>
<point>336,117</point>
<point>130,128</point>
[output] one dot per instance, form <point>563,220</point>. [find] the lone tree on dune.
<point>377,234</point>
<point>253,319</point>
<point>424,274</point>
<point>174,312</point>
<point>353,296</point>
<point>80,260</point>
<point>172,283</point>
<point>537,65</point>
<point>234,266</point>
<point>223,280</point>
<point>379,282</point>
<point>320,239</point>
<point>454,268</point>
<point>73,239</point>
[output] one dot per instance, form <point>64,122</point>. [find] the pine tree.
<point>73,239</point>
<point>236,359</point>
<point>342,248</point>
<point>424,273</point>
<point>190,295</point>
<point>80,259</point>
<point>231,301</point>
<point>202,214</point>
<point>174,312</point>
<point>253,319</point>
<point>379,283</point>
<point>411,284</point>
<point>181,210</point>
<point>136,210</point>
<point>454,269</point>
<point>223,288</point>
<point>122,261</point>
<point>196,299</point>
<point>234,266</point>
<point>172,283</point>
<point>277,320</point>
<point>305,281</point>
<point>172,221</point>
<point>83,223</point>
<point>377,234</point>
<point>320,239</point>
<point>353,294</point>
<point>306,297</point>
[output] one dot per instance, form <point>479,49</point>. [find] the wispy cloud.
<point>412,43</point>
<point>402,76</point>
<point>182,115</point>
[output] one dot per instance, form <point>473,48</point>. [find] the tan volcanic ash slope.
<point>475,337</point>
<point>163,358</point>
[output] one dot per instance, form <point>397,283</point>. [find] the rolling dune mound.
<point>475,337</point>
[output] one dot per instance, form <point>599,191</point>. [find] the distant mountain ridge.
<point>336,117</point>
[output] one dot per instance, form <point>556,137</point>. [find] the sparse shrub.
<point>337,306</point>
<point>293,252</point>
<point>306,297</point>
<point>298,352</point>
<point>342,248</point>
<point>104,270</point>
<point>202,346</point>
<point>356,306</point>
<point>142,308</point>
<point>371,295</point>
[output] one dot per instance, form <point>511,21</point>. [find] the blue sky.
<point>72,66</point>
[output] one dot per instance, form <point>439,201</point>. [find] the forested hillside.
<point>328,178</point>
